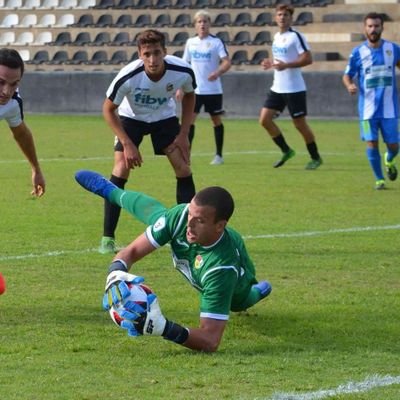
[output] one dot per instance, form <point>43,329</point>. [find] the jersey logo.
<point>160,224</point>
<point>198,263</point>
<point>169,87</point>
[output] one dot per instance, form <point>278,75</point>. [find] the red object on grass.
<point>2,284</point>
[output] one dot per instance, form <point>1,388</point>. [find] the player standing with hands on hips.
<point>290,52</point>
<point>374,63</point>
<point>208,253</point>
<point>209,58</point>
<point>11,110</point>
<point>141,101</point>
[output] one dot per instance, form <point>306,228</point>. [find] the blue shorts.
<point>389,128</point>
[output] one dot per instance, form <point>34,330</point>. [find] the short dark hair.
<point>218,198</point>
<point>150,36</point>
<point>374,15</point>
<point>11,59</point>
<point>285,7</point>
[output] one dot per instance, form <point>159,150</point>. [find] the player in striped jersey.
<point>373,64</point>
<point>11,110</point>
<point>141,101</point>
<point>290,52</point>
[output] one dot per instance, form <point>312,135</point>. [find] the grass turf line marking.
<point>368,384</point>
<point>57,253</point>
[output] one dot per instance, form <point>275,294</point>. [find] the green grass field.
<point>326,240</point>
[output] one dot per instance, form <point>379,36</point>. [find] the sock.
<point>391,154</point>
<point>219,138</point>
<point>313,150</point>
<point>374,159</point>
<point>191,134</point>
<point>281,143</point>
<point>112,211</point>
<point>143,207</point>
<point>185,189</point>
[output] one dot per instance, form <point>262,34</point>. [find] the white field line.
<point>57,253</point>
<point>368,384</point>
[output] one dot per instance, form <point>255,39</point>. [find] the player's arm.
<point>23,136</point>
<point>303,60</point>
<point>223,67</point>
<point>132,155</point>
<point>349,84</point>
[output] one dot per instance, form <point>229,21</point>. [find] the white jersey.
<point>12,112</point>
<point>205,55</point>
<point>287,47</point>
<point>140,98</point>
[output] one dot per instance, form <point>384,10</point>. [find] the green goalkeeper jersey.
<point>222,272</point>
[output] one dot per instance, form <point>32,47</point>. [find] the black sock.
<point>219,138</point>
<point>313,150</point>
<point>281,143</point>
<point>191,134</point>
<point>111,211</point>
<point>185,189</point>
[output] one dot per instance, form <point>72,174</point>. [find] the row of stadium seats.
<point>121,39</point>
<point>158,4</point>
<point>101,57</point>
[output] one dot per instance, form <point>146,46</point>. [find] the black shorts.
<point>212,103</point>
<point>295,102</point>
<point>162,133</point>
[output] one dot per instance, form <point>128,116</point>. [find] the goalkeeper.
<point>210,255</point>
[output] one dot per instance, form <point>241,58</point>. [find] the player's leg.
<point>213,105</point>
<point>196,111</point>
<point>273,105</point>
<point>257,292</point>
<point>297,106</point>
<point>163,135</point>
<point>390,133</point>
<point>369,132</point>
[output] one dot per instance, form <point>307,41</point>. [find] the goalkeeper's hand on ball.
<point>147,322</point>
<point>116,289</point>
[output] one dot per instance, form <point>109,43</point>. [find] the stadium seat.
<point>101,39</point>
<point>326,56</point>
<point>241,3</point>
<point>241,38</point>
<point>242,19</point>
<point>182,20</point>
<point>262,37</point>
<point>49,4</point>
<point>262,19</point>
<point>9,21</point>
<point>123,21</point>
<point>99,57</point>
<point>60,57</point>
<point>304,18</point>
<point>221,4</point>
<point>82,39</point>
<point>134,56</point>
<point>121,39</point>
<point>84,21</point>
<point>201,4</point>
<point>65,20</point>
<point>143,20</point>
<point>43,37</point>
<point>224,36</point>
<point>223,19</point>
<point>28,21</point>
<point>162,20</point>
<point>7,38</point>
<point>40,57</point>
<point>12,4</point>
<point>179,39</point>
<point>104,5</point>
<point>86,4</point>
<point>119,57</point>
<point>262,3</point>
<point>62,39</point>
<point>144,4</point>
<point>125,5</point>
<point>183,4</point>
<point>79,57</point>
<point>343,17</point>
<point>167,39</point>
<point>47,20</point>
<point>178,53</point>
<point>258,56</point>
<point>67,4</point>
<point>240,57</point>
<point>25,54</point>
<point>30,4</point>
<point>161,4</point>
<point>105,20</point>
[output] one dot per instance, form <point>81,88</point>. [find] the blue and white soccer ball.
<point>138,294</point>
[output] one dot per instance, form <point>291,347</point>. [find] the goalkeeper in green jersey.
<point>209,254</point>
